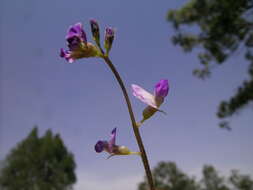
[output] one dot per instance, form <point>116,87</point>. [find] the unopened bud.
<point>95,31</point>
<point>109,37</point>
<point>148,112</point>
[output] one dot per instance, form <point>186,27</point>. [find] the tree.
<point>241,182</point>
<point>38,163</point>
<point>167,176</point>
<point>219,28</point>
<point>211,180</point>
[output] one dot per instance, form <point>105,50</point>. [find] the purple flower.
<point>78,45</point>
<point>109,37</point>
<point>153,101</point>
<point>111,147</point>
<point>76,35</point>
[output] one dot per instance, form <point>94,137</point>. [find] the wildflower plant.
<point>79,47</point>
<point>111,147</point>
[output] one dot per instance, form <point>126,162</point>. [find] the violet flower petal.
<point>66,55</point>
<point>77,31</point>
<point>144,96</point>
<point>62,53</point>
<point>74,43</point>
<point>100,146</point>
<point>112,140</point>
<point>161,89</point>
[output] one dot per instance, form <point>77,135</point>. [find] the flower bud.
<point>162,89</point>
<point>123,150</point>
<point>95,31</point>
<point>148,112</point>
<point>109,37</point>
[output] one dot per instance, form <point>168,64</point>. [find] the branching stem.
<point>134,124</point>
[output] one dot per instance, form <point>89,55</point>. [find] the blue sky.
<point>83,102</point>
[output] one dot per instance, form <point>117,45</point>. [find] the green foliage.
<point>38,163</point>
<point>218,28</point>
<point>167,176</point>
<point>241,182</point>
<point>211,180</point>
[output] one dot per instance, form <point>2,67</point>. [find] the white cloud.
<point>91,182</point>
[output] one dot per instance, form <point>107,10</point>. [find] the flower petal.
<point>66,55</point>
<point>162,88</point>
<point>62,53</point>
<point>112,140</point>
<point>144,96</point>
<point>100,146</point>
<point>77,30</point>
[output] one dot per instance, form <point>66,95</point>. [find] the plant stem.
<point>134,125</point>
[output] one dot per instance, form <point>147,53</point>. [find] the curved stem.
<point>134,125</point>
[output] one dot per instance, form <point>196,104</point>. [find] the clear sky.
<point>83,102</point>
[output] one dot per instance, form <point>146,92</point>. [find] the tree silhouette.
<point>168,176</point>
<point>38,163</point>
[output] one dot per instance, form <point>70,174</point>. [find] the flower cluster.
<point>80,48</point>
<point>78,45</point>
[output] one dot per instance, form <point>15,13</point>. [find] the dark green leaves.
<point>217,29</point>
<point>168,176</point>
<point>38,163</point>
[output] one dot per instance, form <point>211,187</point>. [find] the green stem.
<point>134,124</point>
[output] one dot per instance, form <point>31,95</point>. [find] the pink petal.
<point>144,96</point>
